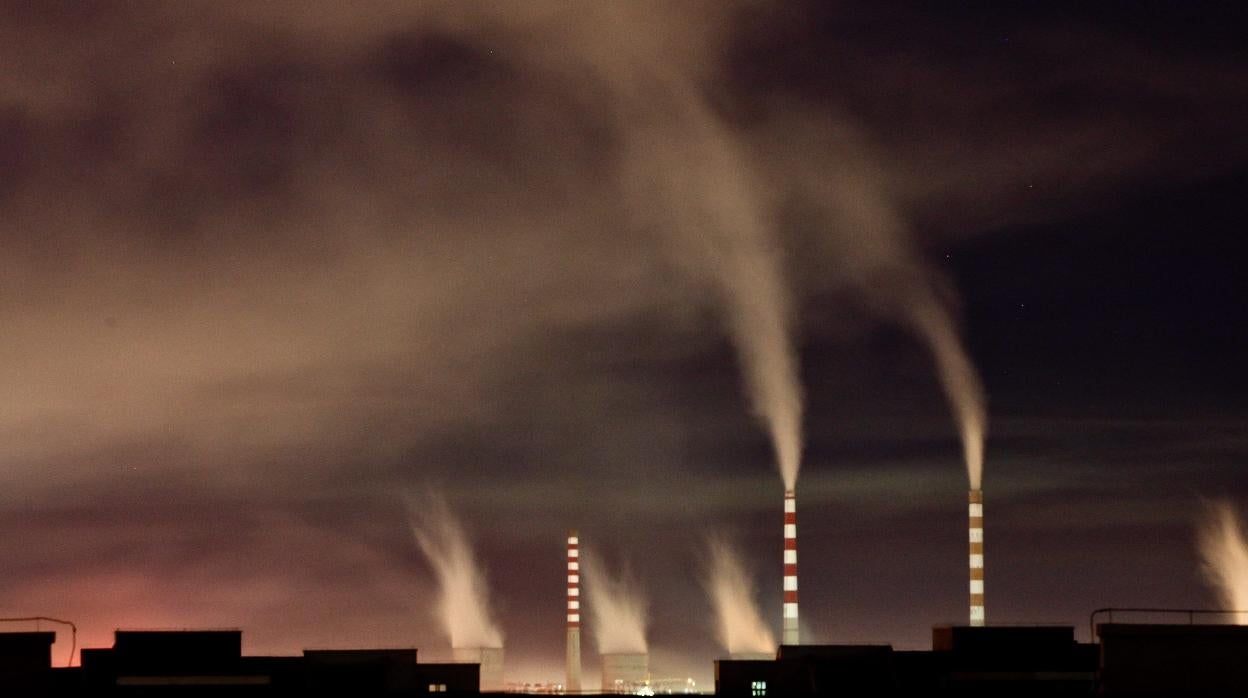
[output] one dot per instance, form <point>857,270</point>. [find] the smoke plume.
<point>739,627</point>
<point>1224,557</point>
<point>463,605</point>
<point>758,305</point>
<point>959,380</point>
<point>683,157</point>
<point>617,606</point>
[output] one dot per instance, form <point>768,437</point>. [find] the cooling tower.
<point>573,681</point>
<point>491,661</point>
<point>977,556</point>
<point>624,672</point>
<point>790,636</point>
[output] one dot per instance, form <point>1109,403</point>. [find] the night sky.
<point>270,271</point>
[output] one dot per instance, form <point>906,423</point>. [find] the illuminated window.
<point>758,688</point>
<point>437,688</point>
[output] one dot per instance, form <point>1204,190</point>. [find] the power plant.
<point>976,528</point>
<point>740,627</point>
<point>624,672</point>
<point>463,606</point>
<point>1186,657</point>
<point>573,668</point>
<point>619,611</point>
<point>791,634</point>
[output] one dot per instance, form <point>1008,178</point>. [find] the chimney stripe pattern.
<point>573,679</point>
<point>790,636</point>
<point>574,581</point>
<point>976,520</point>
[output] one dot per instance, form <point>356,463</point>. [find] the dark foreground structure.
<point>156,664</point>
<point>1130,660</point>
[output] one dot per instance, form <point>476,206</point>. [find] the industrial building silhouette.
<point>161,664</point>
<point>1127,659</point>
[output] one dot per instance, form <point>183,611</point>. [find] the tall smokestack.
<point>573,682</point>
<point>790,635</point>
<point>977,556</point>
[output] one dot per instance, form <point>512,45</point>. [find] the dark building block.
<point>1173,660</point>
<point>177,650</point>
<point>456,679</point>
<point>366,672</point>
<point>25,663</point>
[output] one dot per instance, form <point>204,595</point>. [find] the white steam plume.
<point>959,379</point>
<point>739,627</point>
<point>1224,558</point>
<point>713,199</point>
<point>865,229</point>
<point>617,606</point>
<point>759,311</point>
<point>463,605</point>
<point>684,170</point>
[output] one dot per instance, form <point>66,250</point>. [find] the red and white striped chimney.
<point>574,614</point>
<point>790,635</point>
<point>977,556</point>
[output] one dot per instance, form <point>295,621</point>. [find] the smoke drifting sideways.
<point>618,608</point>
<point>696,174</point>
<point>739,626</point>
<point>1224,557</point>
<point>462,606</point>
<point>958,378</point>
<point>766,348</point>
